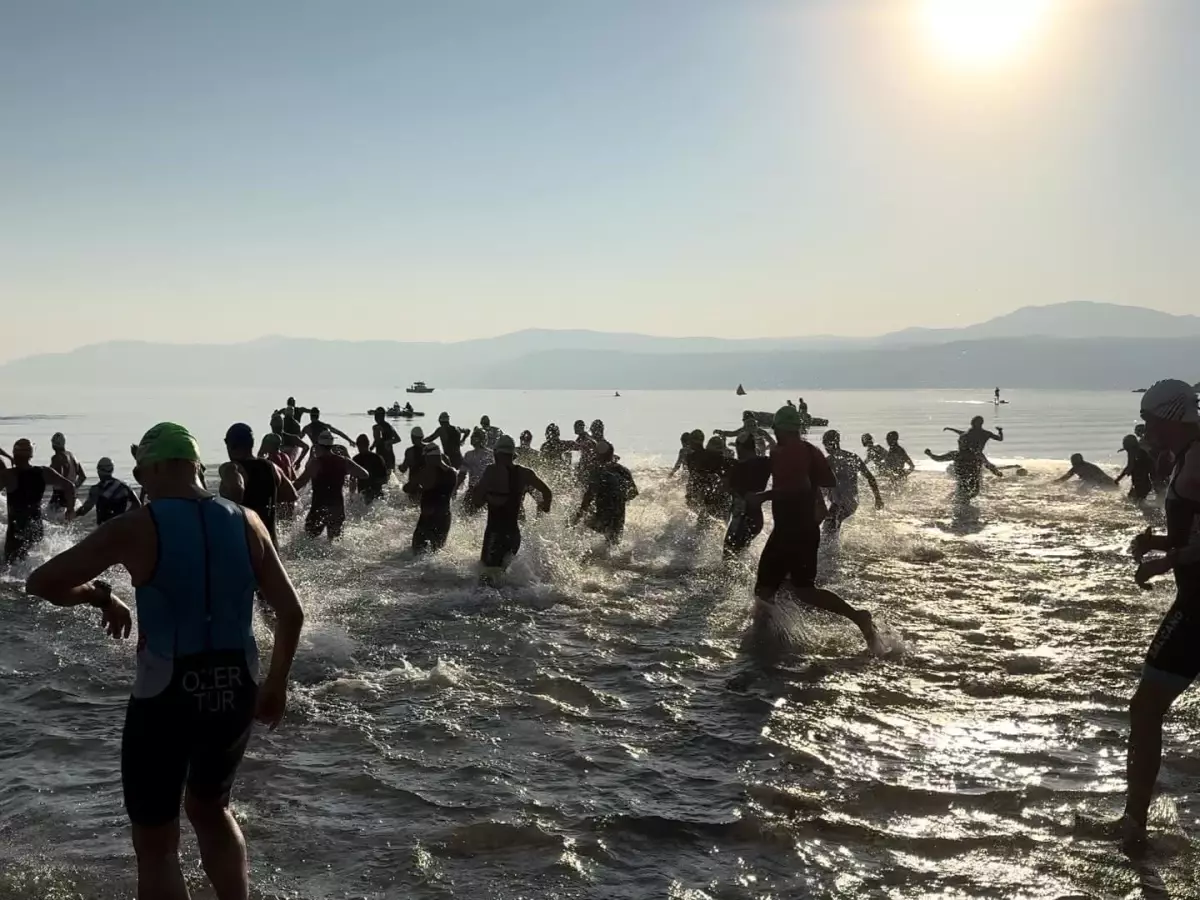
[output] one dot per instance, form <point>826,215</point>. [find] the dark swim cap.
<point>239,435</point>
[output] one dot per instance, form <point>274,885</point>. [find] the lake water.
<point>574,734</point>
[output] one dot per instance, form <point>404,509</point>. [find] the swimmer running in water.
<point>897,465</point>
<point>436,483</point>
<point>451,437</point>
<point>1089,473</point>
<point>65,464</point>
<point>328,470</point>
<point>798,472</point>
<point>109,496</point>
<point>876,455</point>
<point>385,439</point>
<point>747,478</point>
<point>610,488</point>
<point>25,485</point>
<point>196,562</point>
<point>1139,469</point>
<point>1173,660</point>
<point>503,488</point>
<point>372,488</point>
<point>847,467</point>
<point>257,484</point>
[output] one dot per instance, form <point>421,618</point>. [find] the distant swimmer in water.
<point>451,437</point>
<point>372,487</point>
<point>109,496</point>
<point>1173,660</point>
<point>847,468</point>
<point>876,455</point>
<point>196,562</point>
<point>25,486</point>
<point>798,472</point>
<point>997,399</point>
<point>1089,473</point>
<point>1139,469</point>
<point>897,464</point>
<point>327,470</point>
<point>435,484</point>
<point>503,489</point>
<point>315,426</point>
<point>385,439</point>
<point>609,490</point>
<point>257,484</point>
<point>65,464</point>
<point>744,480</point>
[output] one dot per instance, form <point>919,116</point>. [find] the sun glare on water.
<point>983,33</point>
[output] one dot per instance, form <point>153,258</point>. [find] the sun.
<point>983,33</point>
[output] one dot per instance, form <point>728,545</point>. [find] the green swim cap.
<point>167,441</point>
<point>788,418</point>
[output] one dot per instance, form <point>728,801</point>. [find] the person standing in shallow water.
<point>1173,660</point>
<point>196,562</point>
<point>436,483</point>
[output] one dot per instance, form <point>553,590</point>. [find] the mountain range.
<point>1068,345</point>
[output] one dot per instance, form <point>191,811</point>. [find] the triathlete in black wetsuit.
<point>748,477</point>
<point>706,467</point>
<point>109,496</point>
<point>897,465</point>
<point>1173,660</point>
<point>1139,469</point>
<point>451,437</point>
<point>371,488</point>
<point>385,439</point>
<point>414,461</point>
<point>437,482</point>
<point>610,488</point>
<point>25,486</point>
<point>503,488</point>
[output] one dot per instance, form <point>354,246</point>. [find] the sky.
<point>441,171</point>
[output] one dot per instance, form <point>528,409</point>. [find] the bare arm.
<point>866,473</point>
<point>345,437</point>
<point>279,594</point>
<point>66,580</point>
<point>233,484</point>
<point>1066,477</point>
<point>953,430</point>
<point>307,475</point>
<point>997,435</point>
<point>285,491</point>
<point>942,457</point>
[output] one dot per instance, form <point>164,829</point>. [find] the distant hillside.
<point>1082,345</point>
<point>1062,320</point>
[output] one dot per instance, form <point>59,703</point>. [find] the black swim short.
<point>743,529</point>
<point>1174,654</point>
<point>500,545</point>
<point>20,538</point>
<point>194,733</point>
<point>325,518</point>
<point>791,555</point>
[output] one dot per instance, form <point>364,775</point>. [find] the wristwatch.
<point>105,589</point>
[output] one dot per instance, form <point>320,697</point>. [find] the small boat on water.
<point>419,387</point>
<point>396,411</point>
<point>741,391</point>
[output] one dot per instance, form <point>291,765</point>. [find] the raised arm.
<point>954,430</point>
<point>942,457</point>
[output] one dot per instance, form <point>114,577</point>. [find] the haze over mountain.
<point>1070,345</point>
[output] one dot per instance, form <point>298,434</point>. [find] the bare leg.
<point>159,875</point>
<point>831,602</point>
<point>1146,713</point>
<point>222,848</point>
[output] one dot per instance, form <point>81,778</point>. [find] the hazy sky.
<point>457,169</point>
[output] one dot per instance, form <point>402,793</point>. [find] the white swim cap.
<point>1171,400</point>
<point>325,439</point>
